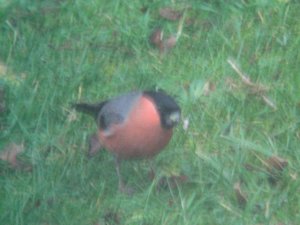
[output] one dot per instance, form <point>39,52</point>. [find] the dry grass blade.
<point>269,102</point>
<point>245,78</point>
<point>257,89</point>
<point>240,195</point>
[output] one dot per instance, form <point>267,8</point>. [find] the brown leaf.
<point>240,195</point>
<point>10,153</point>
<point>208,88</point>
<point>156,38</point>
<point>170,14</point>
<point>170,43</point>
<point>277,163</point>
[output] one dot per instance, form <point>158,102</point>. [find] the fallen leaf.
<point>156,38</point>
<point>240,195</point>
<point>170,43</point>
<point>10,153</point>
<point>208,88</point>
<point>277,163</point>
<point>170,14</point>
<point>275,166</point>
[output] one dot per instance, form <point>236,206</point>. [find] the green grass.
<point>59,52</point>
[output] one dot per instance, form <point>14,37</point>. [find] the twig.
<point>255,88</point>
<point>243,76</point>
<point>269,102</point>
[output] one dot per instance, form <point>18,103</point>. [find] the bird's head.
<point>169,110</point>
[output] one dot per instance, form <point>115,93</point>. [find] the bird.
<point>134,125</point>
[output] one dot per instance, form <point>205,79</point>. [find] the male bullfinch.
<point>134,125</point>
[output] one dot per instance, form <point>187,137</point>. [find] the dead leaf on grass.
<point>208,88</point>
<point>277,163</point>
<point>275,166</point>
<point>170,14</point>
<point>240,195</point>
<point>156,38</point>
<point>170,43</point>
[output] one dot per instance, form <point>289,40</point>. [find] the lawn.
<point>231,65</point>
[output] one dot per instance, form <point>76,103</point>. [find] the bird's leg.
<point>152,172</point>
<point>122,187</point>
<point>117,164</point>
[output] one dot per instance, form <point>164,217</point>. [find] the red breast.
<point>140,135</point>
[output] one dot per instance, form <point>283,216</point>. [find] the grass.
<point>58,52</point>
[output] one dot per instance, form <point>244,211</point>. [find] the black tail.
<point>91,109</point>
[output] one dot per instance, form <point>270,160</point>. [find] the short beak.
<point>175,117</point>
